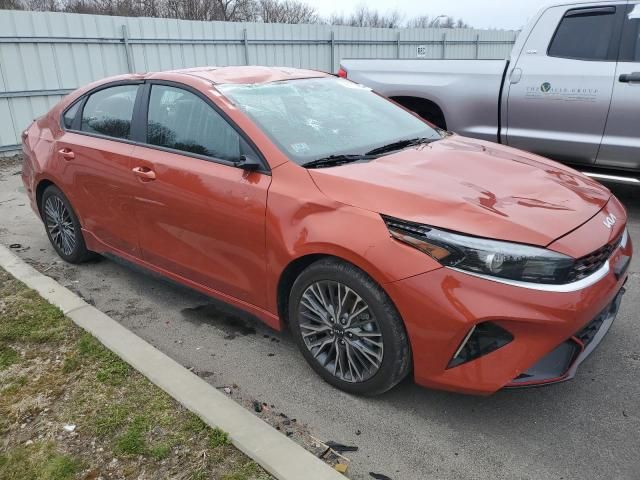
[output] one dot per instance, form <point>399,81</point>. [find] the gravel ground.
<point>583,429</point>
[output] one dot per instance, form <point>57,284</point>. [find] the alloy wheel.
<point>340,331</point>
<point>60,225</point>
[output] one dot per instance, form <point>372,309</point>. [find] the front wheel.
<point>348,329</point>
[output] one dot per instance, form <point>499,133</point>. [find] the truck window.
<point>584,34</point>
<point>630,47</point>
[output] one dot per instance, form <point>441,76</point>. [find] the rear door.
<point>621,143</point>
<point>561,86</point>
<point>95,157</point>
<point>200,216</point>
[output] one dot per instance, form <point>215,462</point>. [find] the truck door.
<point>621,142</point>
<point>561,85</point>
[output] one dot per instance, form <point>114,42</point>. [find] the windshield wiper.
<point>335,160</point>
<point>400,144</point>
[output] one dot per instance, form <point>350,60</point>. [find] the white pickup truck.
<point>569,91</point>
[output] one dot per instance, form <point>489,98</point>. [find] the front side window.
<point>318,117</point>
<point>584,34</point>
<point>180,120</point>
<point>109,111</point>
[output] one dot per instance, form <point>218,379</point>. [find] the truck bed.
<point>450,84</point>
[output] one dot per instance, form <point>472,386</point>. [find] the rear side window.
<point>109,111</point>
<point>630,47</point>
<point>180,120</point>
<point>70,115</point>
<point>584,34</point>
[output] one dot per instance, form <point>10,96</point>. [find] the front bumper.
<point>562,363</point>
<point>440,307</point>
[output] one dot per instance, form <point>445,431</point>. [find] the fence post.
<point>444,45</point>
<point>477,46</point>
<point>125,40</point>
<point>398,46</point>
<point>333,57</point>
<point>246,47</point>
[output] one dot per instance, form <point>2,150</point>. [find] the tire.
<point>67,241</point>
<point>374,336</point>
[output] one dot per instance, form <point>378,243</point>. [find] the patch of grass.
<point>133,441</point>
<point>200,474</point>
<point>88,346</point>
<point>110,419</point>
<point>71,364</point>
<point>247,471</point>
<point>25,317</point>
<point>160,451</point>
<point>218,438</point>
<point>12,386</point>
<point>112,371</point>
<point>119,413</point>
<point>8,356</point>
<point>39,461</point>
<point>194,424</point>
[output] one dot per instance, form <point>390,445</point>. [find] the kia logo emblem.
<point>609,221</point>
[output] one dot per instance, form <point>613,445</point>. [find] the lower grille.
<point>589,331</point>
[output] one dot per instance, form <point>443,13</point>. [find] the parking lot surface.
<point>588,428</point>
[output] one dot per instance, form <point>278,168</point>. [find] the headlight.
<point>496,258</point>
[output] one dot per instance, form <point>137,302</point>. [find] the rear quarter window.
<point>70,115</point>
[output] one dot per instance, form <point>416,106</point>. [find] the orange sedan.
<point>385,244</point>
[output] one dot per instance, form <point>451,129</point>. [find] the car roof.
<point>243,74</point>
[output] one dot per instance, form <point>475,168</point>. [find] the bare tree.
<point>286,11</point>
<point>441,21</point>
<point>234,10</point>
<point>365,17</point>
<point>42,5</point>
<point>268,11</point>
<point>11,5</point>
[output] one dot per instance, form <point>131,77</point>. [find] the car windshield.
<point>316,118</point>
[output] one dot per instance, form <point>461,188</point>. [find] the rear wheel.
<point>63,226</point>
<point>348,329</point>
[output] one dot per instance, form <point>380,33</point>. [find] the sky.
<point>502,14</point>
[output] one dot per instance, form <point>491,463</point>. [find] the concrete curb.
<point>277,454</point>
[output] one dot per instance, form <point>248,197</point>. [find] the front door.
<point>621,142</point>
<point>200,216</point>
<point>561,86</point>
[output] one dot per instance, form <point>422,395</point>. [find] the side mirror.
<point>248,163</point>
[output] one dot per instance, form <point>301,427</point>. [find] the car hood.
<point>470,186</point>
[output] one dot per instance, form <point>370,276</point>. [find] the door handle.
<point>144,173</point>
<point>516,76</point>
<point>630,77</point>
<point>67,153</point>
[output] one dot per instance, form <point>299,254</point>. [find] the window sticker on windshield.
<point>300,147</point>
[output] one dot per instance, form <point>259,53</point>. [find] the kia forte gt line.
<point>387,246</point>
